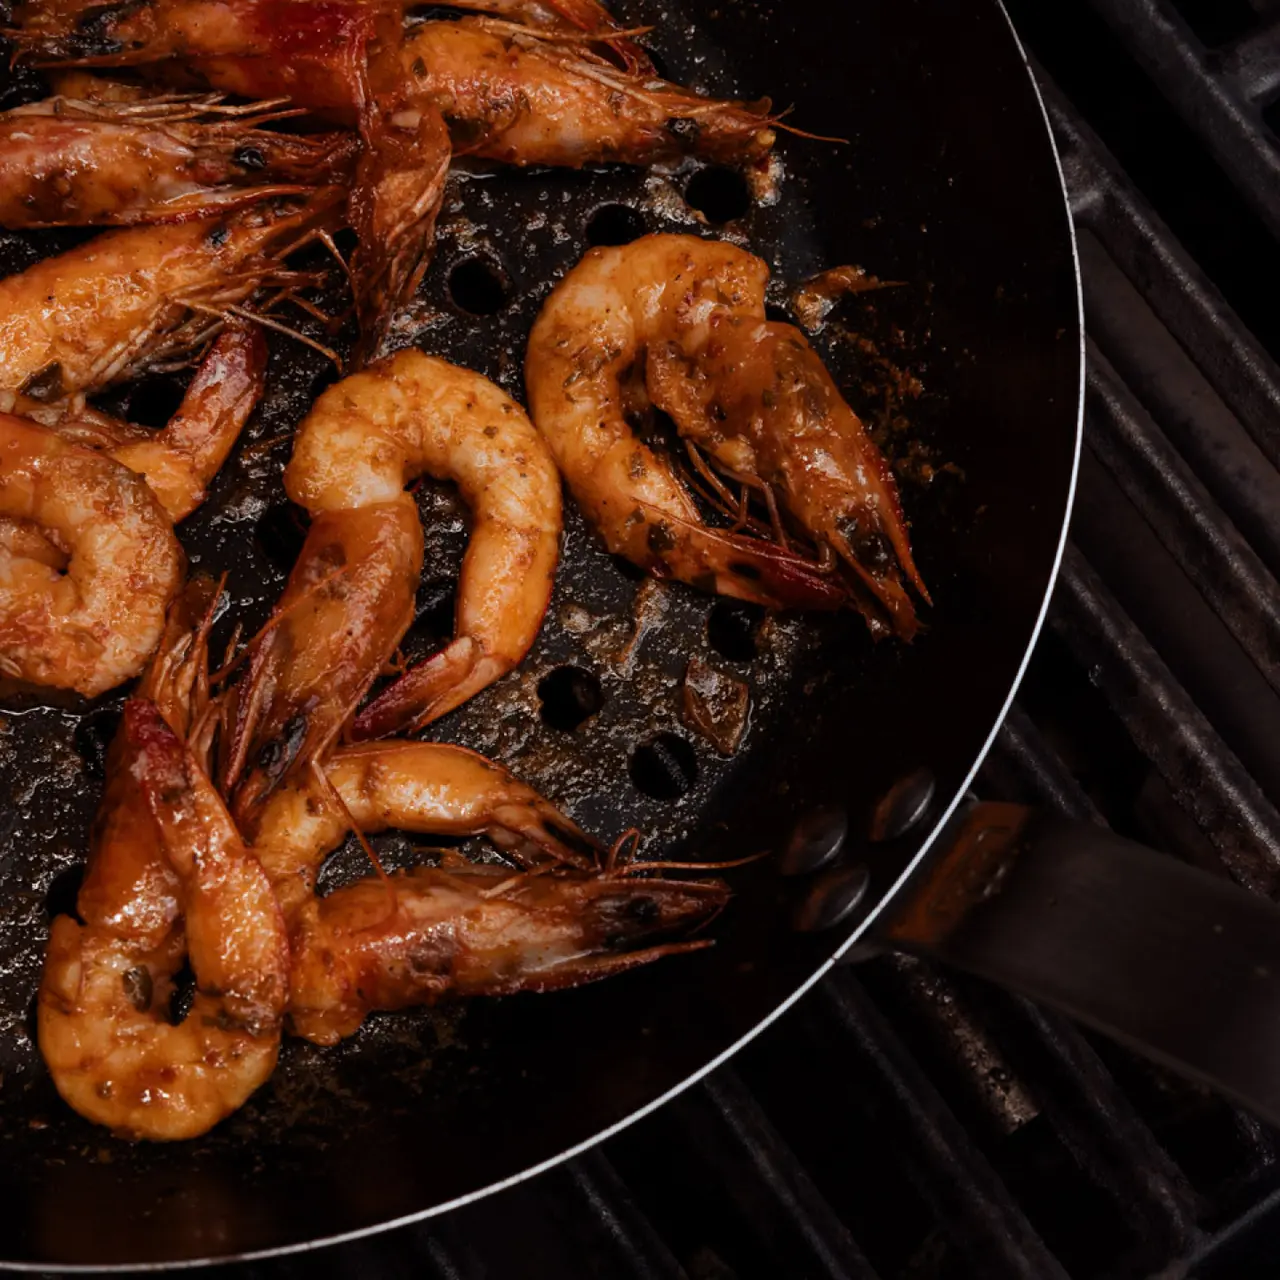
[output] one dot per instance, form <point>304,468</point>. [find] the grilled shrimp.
<point>169,877</point>
<point>339,58</point>
<point>82,320</point>
<point>679,323</point>
<point>91,620</point>
<point>424,787</point>
<point>525,98</point>
<point>477,931</point>
<point>74,163</point>
<point>350,597</point>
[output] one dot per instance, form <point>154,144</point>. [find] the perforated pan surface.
<point>948,185</point>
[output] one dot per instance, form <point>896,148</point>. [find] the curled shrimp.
<point>679,323</point>
<point>350,597</point>
<point>80,321</point>
<point>424,787</point>
<point>65,162</point>
<point>169,878</point>
<point>526,98</point>
<point>477,931</point>
<point>87,613</point>
<point>86,570</point>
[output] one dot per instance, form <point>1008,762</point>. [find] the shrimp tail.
<point>184,456</point>
<point>427,691</point>
<point>348,602</point>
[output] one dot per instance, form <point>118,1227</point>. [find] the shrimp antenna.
<point>256,317</point>
<point>777,122</point>
<point>340,805</point>
<point>632,867</point>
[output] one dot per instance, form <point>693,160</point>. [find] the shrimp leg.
<point>70,163</point>
<point>349,599</point>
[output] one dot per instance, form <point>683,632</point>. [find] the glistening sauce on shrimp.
<point>424,787</point>
<point>71,163</point>
<point>349,599</point>
<point>92,621</point>
<point>678,323</point>
<point>82,320</point>
<point>168,878</point>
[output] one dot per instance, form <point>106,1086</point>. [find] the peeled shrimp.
<point>679,323</point>
<point>350,597</point>
<point>169,877</point>
<point>525,98</point>
<point>82,320</point>
<point>74,163</point>
<point>476,931</point>
<point>91,620</point>
<point>424,787</point>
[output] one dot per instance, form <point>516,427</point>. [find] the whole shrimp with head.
<point>168,878</point>
<point>70,162</point>
<point>479,931</point>
<point>104,311</point>
<point>349,599</point>
<point>678,323</point>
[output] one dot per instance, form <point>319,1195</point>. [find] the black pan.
<point>950,186</point>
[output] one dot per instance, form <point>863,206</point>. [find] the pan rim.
<point>858,933</point>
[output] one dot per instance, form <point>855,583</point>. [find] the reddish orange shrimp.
<point>168,878</point>
<point>425,787</point>
<point>104,311</point>
<point>526,98</point>
<point>65,162</point>
<point>477,931</point>
<point>349,599</point>
<point>679,323</point>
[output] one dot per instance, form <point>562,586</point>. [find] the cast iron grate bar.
<point>634,1248</point>
<point>770,1211</point>
<point>968,1198</point>
<point>1168,727</point>
<point>1188,304</point>
<point>1230,126</point>
<point>1185,518</point>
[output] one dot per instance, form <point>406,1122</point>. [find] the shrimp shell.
<point>93,625</point>
<point>350,597</point>
<point>425,787</point>
<point>476,931</point>
<point>82,320</point>
<point>171,878</point>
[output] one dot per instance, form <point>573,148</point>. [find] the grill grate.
<point>908,1122</point>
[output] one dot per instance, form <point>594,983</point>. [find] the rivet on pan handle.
<point>1181,965</point>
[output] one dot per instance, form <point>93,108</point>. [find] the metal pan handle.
<point>1182,965</point>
